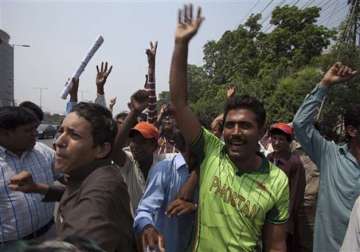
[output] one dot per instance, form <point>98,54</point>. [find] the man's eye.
<point>229,125</point>
<point>75,135</point>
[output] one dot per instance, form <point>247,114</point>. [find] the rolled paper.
<point>81,68</point>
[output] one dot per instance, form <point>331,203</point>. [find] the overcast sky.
<point>61,32</point>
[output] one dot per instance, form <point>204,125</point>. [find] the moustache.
<point>240,138</point>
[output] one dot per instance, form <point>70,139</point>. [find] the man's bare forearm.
<point>178,75</point>
<point>123,132</point>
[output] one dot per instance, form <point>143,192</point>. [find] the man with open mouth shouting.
<point>243,199</point>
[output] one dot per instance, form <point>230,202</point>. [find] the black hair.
<point>121,115</point>
<point>13,117</point>
<point>280,132</point>
<point>246,102</point>
<point>352,116</point>
<point>103,126</point>
<point>33,107</point>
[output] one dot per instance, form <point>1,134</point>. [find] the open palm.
<point>187,26</point>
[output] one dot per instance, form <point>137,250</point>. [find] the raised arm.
<point>101,77</point>
<point>230,91</point>
<point>186,28</point>
<point>139,101</point>
<point>112,104</point>
<point>73,95</point>
<point>150,84</point>
<point>310,139</point>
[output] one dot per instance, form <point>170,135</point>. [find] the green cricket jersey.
<point>233,207</point>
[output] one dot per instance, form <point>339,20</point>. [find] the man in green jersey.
<point>243,198</point>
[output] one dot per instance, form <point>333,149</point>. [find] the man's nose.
<point>60,140</point>
<point>237,130</point>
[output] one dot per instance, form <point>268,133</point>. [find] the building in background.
<point>6,70</point>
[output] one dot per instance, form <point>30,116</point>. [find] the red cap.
<point>284,127</point>
<point>147,130</point>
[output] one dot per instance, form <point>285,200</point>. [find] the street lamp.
<point>19,45</point>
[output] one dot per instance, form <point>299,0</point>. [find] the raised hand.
<point>74,90</point>
<point>230,91</point>
<point>112,102</point>
<point>152,238</point>
<point>337,73</point>
<point>151,52</point>
<point>187,26</point>
<point>139,100</point>
<point>101,76</point>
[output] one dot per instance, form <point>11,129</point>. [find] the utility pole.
<point>40,91</point>
<point>351,31</point>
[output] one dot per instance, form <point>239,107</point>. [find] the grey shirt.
<point>339,176</point>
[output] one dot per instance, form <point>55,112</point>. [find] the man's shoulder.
<point>43,149</point>
<point>105,178</point>
<point>110,171</point>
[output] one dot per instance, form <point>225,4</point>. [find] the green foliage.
<point>164,98</point>
<point>289,94</point>
<point>279,67</point>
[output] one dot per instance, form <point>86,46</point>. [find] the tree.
<point>289,94</point>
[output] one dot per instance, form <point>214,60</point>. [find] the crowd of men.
<point>148,181</point>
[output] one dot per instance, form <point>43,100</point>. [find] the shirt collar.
<point>344,150</point>
<point>78,175</point>
<point>264,168</point>
<point>179,161</point>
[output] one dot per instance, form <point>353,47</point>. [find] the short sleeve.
<point>279,214</point>
<point>205,144</point>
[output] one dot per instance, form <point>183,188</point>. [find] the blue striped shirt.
<point>162,186</point>
<point>22,214</point>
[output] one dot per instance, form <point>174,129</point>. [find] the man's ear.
<point>351,131</point>
<point>103,150</point>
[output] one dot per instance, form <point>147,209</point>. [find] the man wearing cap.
<point>139,159</point>
<point>281,135</point>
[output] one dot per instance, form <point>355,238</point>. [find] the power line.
<point>268,17</point>
<point>307,4</point>
<point>335,20</point>
<point>250,11</point>
<point>331,16</point>
<point>267,6</point>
